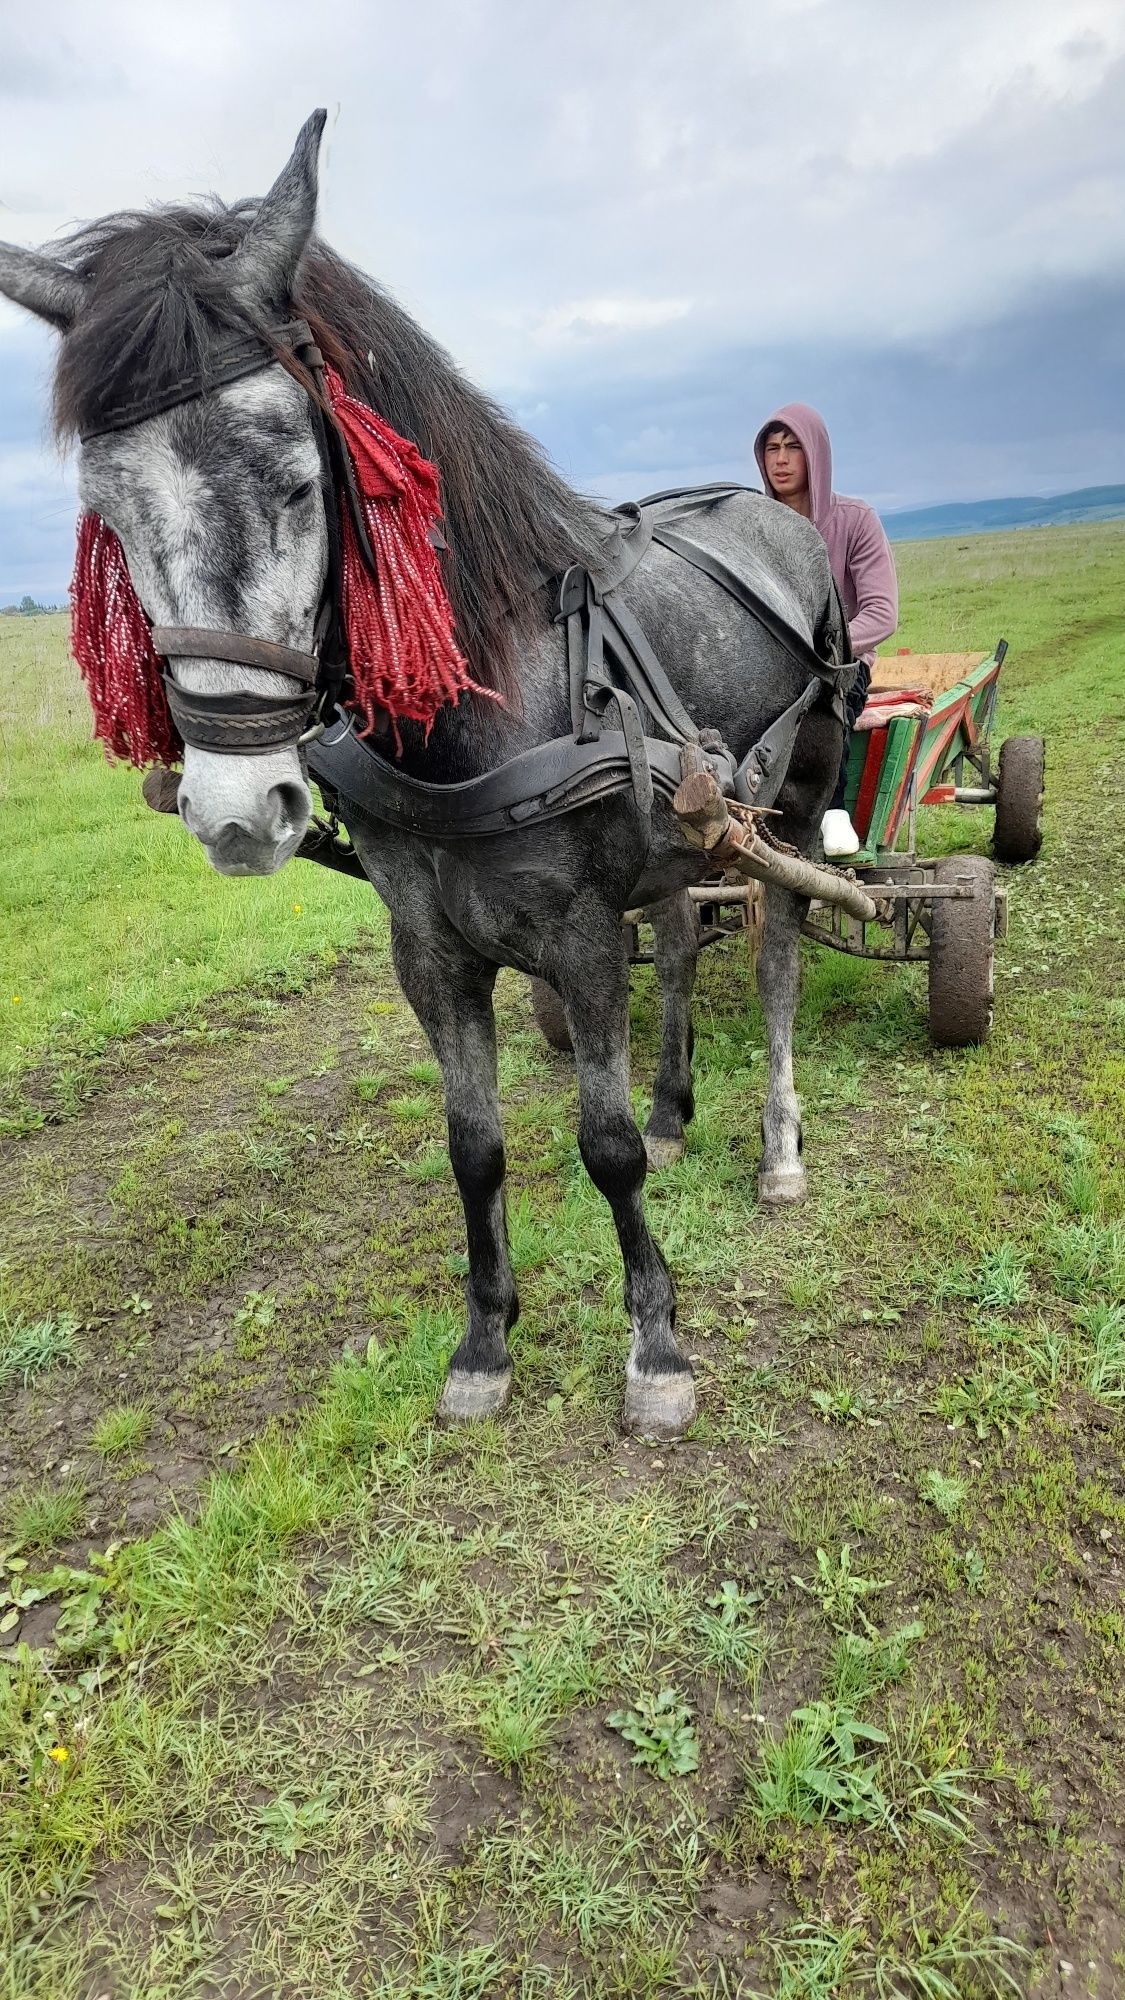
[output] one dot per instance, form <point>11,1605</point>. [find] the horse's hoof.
<point>659,1406</point>
<point>782,1185</point>
<point>471,1394</point>
<point>663,1152</point>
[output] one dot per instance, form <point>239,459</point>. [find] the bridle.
<point>252,724</point>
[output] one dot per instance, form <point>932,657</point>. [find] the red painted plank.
<point>869,782</point>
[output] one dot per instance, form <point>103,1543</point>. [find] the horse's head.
<point>219,500</point>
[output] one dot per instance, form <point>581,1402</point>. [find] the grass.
<point>358,1713</point>
<point>121,1432</point>
<point>27,1350</point>
<point>112,917</point>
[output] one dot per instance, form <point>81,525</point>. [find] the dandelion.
<point>58,1753</point>
<point>296,909</point>
<point>15,999</point>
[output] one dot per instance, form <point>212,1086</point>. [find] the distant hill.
<point>982,517</point>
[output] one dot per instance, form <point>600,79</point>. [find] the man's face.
<point>785,465</point>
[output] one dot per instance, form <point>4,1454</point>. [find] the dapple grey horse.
<point>220,507</point>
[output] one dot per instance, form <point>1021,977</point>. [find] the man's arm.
<point>872,569</point>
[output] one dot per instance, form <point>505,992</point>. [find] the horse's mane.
<point>160,296</point>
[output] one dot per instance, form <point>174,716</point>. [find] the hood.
<point>811,433</point>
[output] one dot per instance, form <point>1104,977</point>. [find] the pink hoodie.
<point>858,550</point>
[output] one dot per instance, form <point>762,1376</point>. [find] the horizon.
<point>932,254</point>
<point>58,599</point>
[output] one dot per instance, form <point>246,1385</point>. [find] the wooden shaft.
<point>702,812</point>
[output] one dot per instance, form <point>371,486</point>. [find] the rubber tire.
<point>550,1014</point>
<point>1017,834</point>
<point>962,934</point>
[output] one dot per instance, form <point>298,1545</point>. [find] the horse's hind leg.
<point>781,1176</point>
<point>594,983</point>
<point>452,997</point>
<point>675,928</point>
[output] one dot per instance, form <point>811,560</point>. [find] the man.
<point>795,461</point>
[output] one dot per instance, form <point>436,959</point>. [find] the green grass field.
<point>301,1695</point>
<point>113,919</point>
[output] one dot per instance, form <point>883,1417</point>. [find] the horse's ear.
<point>45,287</point>
<point>266,264</point>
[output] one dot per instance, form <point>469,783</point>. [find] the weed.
<point>729,1641</point>
<point>660,1730</point>
<point>839,1591</point>
<point>1002,1278</point>
<point>944,1491</point>
<point>254,1321</point>
<point>411,1109</point>
<point>839,1403</point>
<point>860,1665</point>
<point>1000,1402</point>
<point>820,1767</point>
<point>941,1960</point>
<point>971,1565</point>
<point>1102,1366</point>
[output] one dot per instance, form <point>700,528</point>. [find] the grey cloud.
<point>912,216</point>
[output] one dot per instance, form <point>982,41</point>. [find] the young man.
<point>795,461</point>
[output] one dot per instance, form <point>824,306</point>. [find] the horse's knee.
<point>614,1156</point>
<point>476,1154</point>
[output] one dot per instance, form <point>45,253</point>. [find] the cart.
<point>923,739</point>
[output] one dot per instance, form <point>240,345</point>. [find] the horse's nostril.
<point>289,805</point>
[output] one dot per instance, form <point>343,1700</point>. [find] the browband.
<point>227,361</point>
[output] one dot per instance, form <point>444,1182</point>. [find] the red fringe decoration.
<point>398,625</point>
<point>112,643</point>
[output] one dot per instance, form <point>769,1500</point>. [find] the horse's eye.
<point>299,493</point>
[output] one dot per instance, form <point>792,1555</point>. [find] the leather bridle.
<point>252,724</point>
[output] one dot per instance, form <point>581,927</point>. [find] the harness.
<point>612,666</point>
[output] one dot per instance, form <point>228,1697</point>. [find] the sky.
<point>641,224</point>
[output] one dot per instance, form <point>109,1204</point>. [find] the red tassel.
<point>112,643</point>
<point>398,625</point>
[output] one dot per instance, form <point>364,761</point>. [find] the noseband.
<point>251,725</point>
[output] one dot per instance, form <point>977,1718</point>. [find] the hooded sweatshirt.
<point>858,550</point>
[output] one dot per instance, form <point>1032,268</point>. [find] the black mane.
<point>160,299</point>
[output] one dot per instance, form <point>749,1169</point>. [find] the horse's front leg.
<point>781,1176</point>
<point>675,930</point>
<point>592,977</point>
<point>451,993</point>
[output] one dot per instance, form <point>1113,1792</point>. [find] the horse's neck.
<point>480,732</point>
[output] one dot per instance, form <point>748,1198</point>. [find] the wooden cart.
<point>923,739</point>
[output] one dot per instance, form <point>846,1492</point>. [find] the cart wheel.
<point>1019,797</point>
<point>550,1013</point>
<point>961,935</point>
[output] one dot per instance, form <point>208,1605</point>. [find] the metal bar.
<point>834,943</point>
<point>975,795</point>
<point>722,892</point>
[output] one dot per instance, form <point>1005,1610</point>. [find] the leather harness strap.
<point>195,642</point>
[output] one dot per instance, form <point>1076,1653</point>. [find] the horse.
<point>222,509</point>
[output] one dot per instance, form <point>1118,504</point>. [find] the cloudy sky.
<point>640,223</point>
